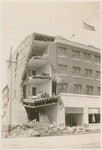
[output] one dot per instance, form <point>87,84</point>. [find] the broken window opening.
<point>44,38</point>
<point>54,87</point>
<point>34,91</point>
<point>94,118</point>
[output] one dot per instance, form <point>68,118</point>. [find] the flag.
<point>88,27</point>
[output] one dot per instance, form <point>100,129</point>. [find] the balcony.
<point>37,79</point>
<point>38,61</point>
<point>34,103</point>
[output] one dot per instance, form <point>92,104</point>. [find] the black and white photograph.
<point>50,74</point>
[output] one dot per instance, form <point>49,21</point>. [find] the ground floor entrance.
<point>73,116</point>
<point>73,119</point>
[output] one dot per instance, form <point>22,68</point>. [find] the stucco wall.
<point>80,104</point>
<point>75,100</point>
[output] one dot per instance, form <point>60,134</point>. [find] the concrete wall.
<point>46,87</point>
<point>52,112</point>
<point>52,58</point>
<point>75,100</point>
<point>45,68</point>
<point>24,51</point>
<point>43,117</point>
<point>61,115</point>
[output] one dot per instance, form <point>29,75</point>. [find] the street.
<point>57,142</point>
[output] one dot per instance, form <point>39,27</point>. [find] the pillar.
<point>85,116</point>
<point>61,115</point>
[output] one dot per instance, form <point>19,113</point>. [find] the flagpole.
<point>82,23</point>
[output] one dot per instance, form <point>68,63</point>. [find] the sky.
<point>20,19</point>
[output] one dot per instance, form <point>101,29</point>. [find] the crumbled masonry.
<point>36,129</point>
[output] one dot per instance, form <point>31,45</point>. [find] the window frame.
<point>88,76</point>
<point>96,62</point>
<point>96,115</point>
<point>77,86</point>
<point>88,90</point>
<point>61,89</point>
<point>62,48</point>
<point>79,72</point>
<point>86,59</point>
<point>66,71</point>
<point>74,54</point>
<point>98,78</point>
<point>99,91</point>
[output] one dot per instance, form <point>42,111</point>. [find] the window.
<point>62,52</point>
<point>62,69</point>
<point>87,57</point>
<point>97,74</point>
<point>76,54</point>
<point>94,115</point>
<point>31,72</point>
<point>89,90</point>
<point>88,73</point>
<point>76,71</point>
<point>77,89</point>
<point>98,91</point>
<point>97,59</point>
<point>62,88</point>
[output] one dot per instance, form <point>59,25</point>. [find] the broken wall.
<point>23,51</point>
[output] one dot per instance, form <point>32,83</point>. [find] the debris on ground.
<point>36,129</point>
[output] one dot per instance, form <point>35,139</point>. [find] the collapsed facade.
<point>55,80</point>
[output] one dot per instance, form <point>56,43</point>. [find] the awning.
<point>94,111</point>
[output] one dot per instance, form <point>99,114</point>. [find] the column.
<point>85,116</point>
<point>61,115</point>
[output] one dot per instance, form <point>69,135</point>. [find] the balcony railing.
<point>38,61</point>
<point>34,103</point>
<point>37,79</point>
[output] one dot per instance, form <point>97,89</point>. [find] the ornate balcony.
<point>34,103</point>
<point>37,61</point>
<point>37,79</point>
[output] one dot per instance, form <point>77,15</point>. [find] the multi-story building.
<point>56,80</point>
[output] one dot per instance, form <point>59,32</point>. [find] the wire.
<point>82,23</point>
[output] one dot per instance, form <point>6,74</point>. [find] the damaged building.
<point>55,80</point>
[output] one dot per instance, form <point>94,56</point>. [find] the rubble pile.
<point>33,129</point>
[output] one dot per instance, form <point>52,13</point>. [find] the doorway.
<point>34,91</point>
<point>54,87</point>
<point>73,119</point>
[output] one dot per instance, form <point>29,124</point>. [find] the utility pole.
<point>10,91</point>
